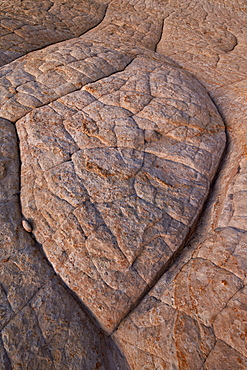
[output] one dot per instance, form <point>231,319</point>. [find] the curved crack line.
<point>52,43</point>
<point>171,260</point>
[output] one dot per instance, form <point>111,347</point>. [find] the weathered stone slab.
<point>25,27</point>
<point>194,318</point>
<point>41,325</point>
<point>114,177</point>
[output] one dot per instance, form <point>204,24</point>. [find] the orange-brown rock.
<point>25,26</point>
<point>42,325</point>
<point>119,146</point>
<point>115,175</point>
<point>208,281</point>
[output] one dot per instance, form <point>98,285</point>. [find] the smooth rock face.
<point>119,146</point>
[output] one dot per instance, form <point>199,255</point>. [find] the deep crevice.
<point>161,34</point>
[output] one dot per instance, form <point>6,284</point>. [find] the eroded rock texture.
<point>119,146</point>
<point>25,26</point>
<point>202,298</point>
<point>114,176</point>
<point>42,326</point>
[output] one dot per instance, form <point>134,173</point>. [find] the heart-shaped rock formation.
<point>114,177</point>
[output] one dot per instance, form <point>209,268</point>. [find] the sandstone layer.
<point>114,175</point>
<point>119,147</point>
<point>25,26</point>
<point>202,298</point>
<point>42,325</point>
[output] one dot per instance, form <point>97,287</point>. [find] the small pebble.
<point>26,226</point>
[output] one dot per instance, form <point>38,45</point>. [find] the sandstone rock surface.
<point>42,326</point>
<point>119,146</point>
<point>206,287</point>
<point>25,26</point>
<point>114,175</point>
